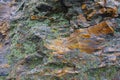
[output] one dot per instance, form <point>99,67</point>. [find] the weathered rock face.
<point>4,39</point>
<point>36,39</point>
<point>4,1</point>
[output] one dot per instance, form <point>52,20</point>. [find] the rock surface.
<point>4,49</point>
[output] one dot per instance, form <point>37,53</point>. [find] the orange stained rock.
<point>89,16</point>
<point>4,65</point>
<point>102,28</point>
<point>87,45</point>
<point>4,27</point>
<point>82,39</point>
<point>112,11</point>
<point>81,18</point>
<point>34,17</point>
<point>84,6</point>
<point>58,46</point>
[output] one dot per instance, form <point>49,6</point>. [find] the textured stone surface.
<point>4,50</point>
